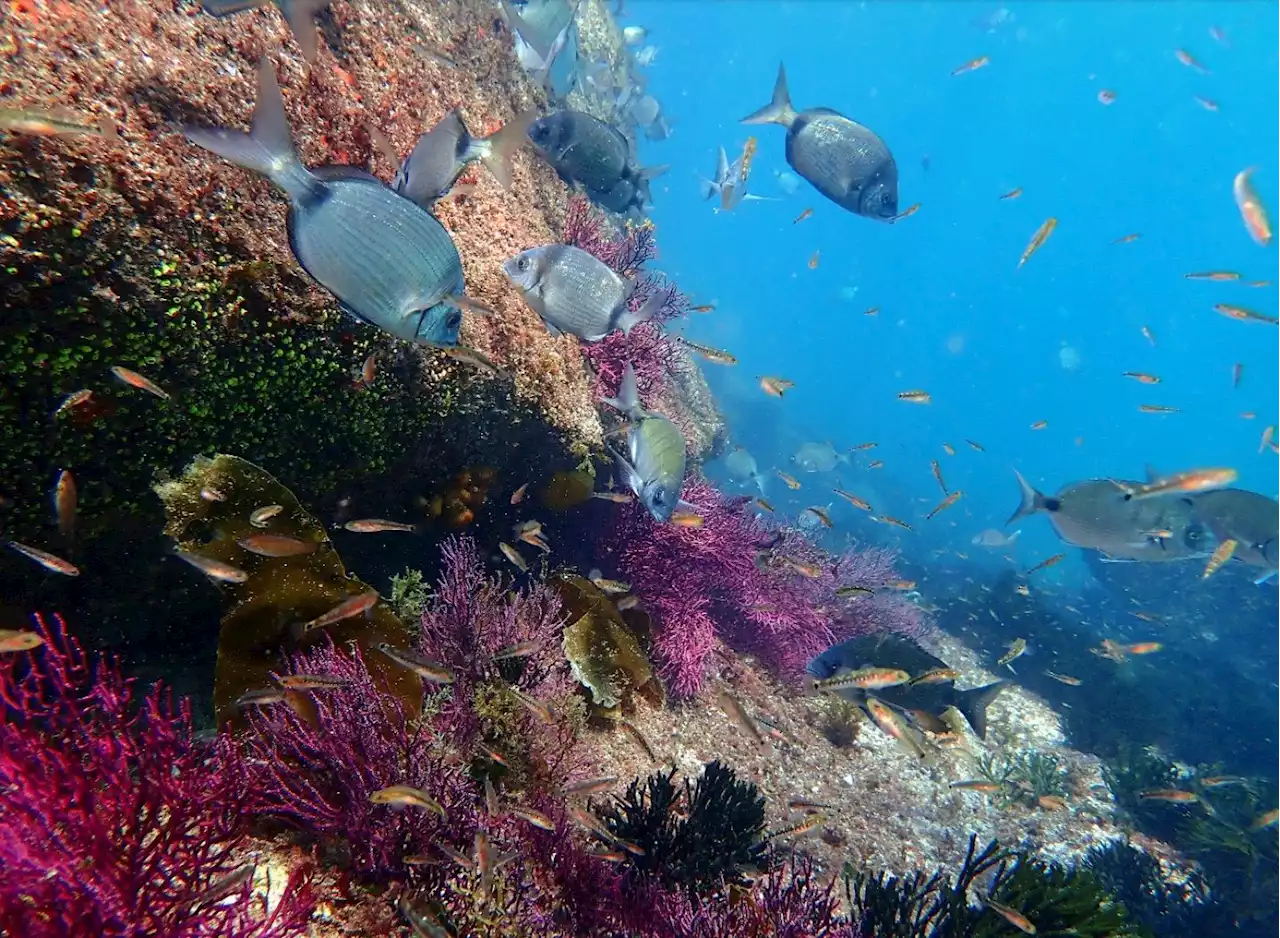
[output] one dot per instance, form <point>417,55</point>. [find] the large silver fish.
<point>387,260</point>
<point>443,152</point>
<point>1098,514</point>
<point>845,161</point>
<point>655,460</point>
<point>1249,519</point>
<point>574,292</point>
<point>818,457</point>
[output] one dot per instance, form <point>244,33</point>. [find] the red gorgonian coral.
<point>759,589</point>
<point>114,821</point>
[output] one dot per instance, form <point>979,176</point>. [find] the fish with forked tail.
<point>843,160</point>
<point>655,461</point>
<point>443,152</point>
<point>896,652</point>
<point>386,259</point>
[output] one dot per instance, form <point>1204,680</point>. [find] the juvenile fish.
<point>590,786</point>
<point>72,401</point>
<point>915,397</point>
<point>224,886</point>
<point>262,697</point>
<point>936,676</point>
<point>976,784</point>
<point>261,516</point>
<point>853,500</point>
<point>135,380</point>
<point>865,678</point>
<point>1046,564</point>
<point>518,650</point>
<point>1174,795</point>
<point>1064,678</point>
<point>1017,648</point>
<point>214,569</point>
<point>406,796</point>
<point>37,122</point>
<point>423,667</point>
<point>971,66</point>
<point>48,561</point>
<point>945,504</point>
<point>377,526</point>
<point>1252,211</point>
<point>276,545</point>
<point>64,503</point>
<point>845,592</point>
<point>14,640</point>
<point>1038,239</point>
<point>791,481</point>
<point>714,355</point>
<point>1244,315</point>
<point>733,706</point>
<point>1012,916</point>
<point>312,682</point>
<point>534,706</point>
<point>774,386</point>
<point>1190,482</point>
<point>529,816</point>
<point>514,556</point>
<point>349,607</point>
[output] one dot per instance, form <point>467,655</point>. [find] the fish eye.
<point>522,263</point>
<point>454,319</point>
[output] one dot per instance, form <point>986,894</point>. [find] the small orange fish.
<point>987,788</point>
<point>1186,59</point>
<point>937,474</point>
<point>350,607</point>
<point>686,519</point>
<point>1216,275</point>
<point>1175,795</point>
<point>1143,648</point>
<point>1106,96</point>
<point>1038,239</point>
<point>135,380</point>
<point>1191,481</point>
<point>1244,315</point>
<point>1052,802</point>
<point>1040,425</point>
<point>48,561</point>
<point>1267,435</point>
<point>590,786</point>
<point>405,796</point>
<point>1157,409</point>
<point>376,526</point>
<point>64,503</point>
<point>214,569</point>
<point>813,261</point>
<point>1258,283</point>
<point>276,545</point>
<point>915,397</point>
<point>1256,220</point>
<point>821,515</point>
<point>1064,678</point>
<point>888,519</point>
<point>514,556</point>
<point>1012,916</point>
<point>518,495</point>
<point>876,464</point>
<point>1147,334</point>
<point>865,678</point>
<point>791,481</point>
<point>369,370</point>
<point>1128,239</point>
<point>1220,556</point>
<point>764,504</point>
<point>861,446</point>
<point>945,504</point>
<point>1206,103</point>
<point>19,640</point>
<point>1142,376</point>
<point>534,706</point>
<point>853,500</point>
<point>810,570</point>
<point>1266,819</point>
<point>901,585</point>
<point>1249,415</point>
<point>948,449</point>
<point>908,212</point>
<point>1046,564</point>
<point>775,387</point>
<point>811,822</point>
<point>704,308</point>
<point>977,446</point>
<point>802,216</point>
<point>1012,193</point>
<point>972,65</point>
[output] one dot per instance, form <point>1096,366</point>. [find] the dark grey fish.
<point>574,292</point>
<point>443,152</point>
<point>387,260</point>
<point>893,651</point>
<point>845,161</point>
<point>1249,519</point>
<point>1099,514</point>
<point>655,460</point>
<point>586,151</point>
<point>299,14</point>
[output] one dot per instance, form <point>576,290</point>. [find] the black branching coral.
<point>696,838</point>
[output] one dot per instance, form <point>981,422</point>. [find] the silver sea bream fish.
<point>443,152</point>
<point>574,292</point>
<point>655,460</point>
<point>386,259</point>
<point>845,161</point>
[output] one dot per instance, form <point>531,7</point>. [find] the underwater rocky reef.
<point>427,668</point>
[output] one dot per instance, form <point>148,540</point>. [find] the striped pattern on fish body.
<point>866,678</point>
<point>386,259</point>
<point>571,290</point>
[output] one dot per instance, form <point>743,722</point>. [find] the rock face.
<point>140,250</point>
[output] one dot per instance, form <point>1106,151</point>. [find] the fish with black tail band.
<point>845,161</point>
<point>586,151</point>
<point>442,154</point>
<point>386,259</point>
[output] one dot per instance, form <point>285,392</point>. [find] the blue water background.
<point>1154,162</point>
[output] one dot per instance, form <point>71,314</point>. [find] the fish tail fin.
<point>641,176</point>
<point>267,148</point>
<point>301,16</point>
<point>778,110</point>
<point>227,7</point>
<point>629,319</point>
<point>628,399</point>
<point>502,146</point>
<point>973,705</point>
<point>722,166</point>
<point>1032,501</point>
<point>707,188</point>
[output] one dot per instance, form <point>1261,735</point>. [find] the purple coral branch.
<point>113,818</point>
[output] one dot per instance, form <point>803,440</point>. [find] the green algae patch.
<point>208,513</point>
<point>604,652</point>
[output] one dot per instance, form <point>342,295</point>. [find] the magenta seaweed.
<point>113,819</point>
